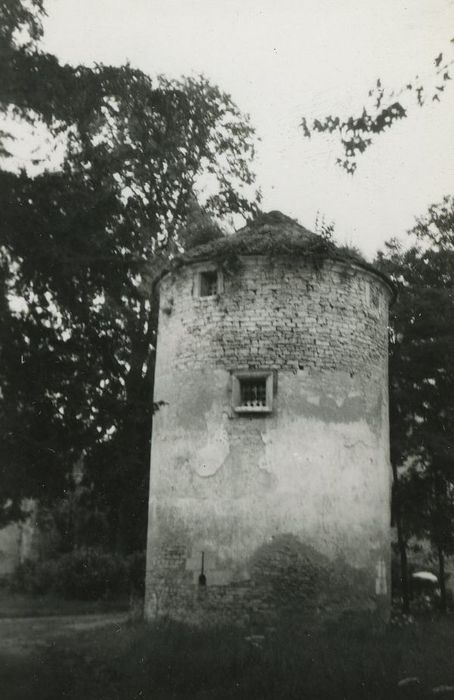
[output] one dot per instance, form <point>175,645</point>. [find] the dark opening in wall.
<point>208,283</point>
<point>253,392</point>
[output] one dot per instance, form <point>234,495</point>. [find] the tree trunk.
<point>401,544</point>
<point>405,588</point>
<point>441,578</point>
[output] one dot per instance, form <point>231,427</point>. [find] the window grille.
<point>253,392</point>
<point>208,283</point>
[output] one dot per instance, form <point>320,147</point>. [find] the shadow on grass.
<point>27,605</point>
<point>287,662</point>
<point>344,660</point>
<point>172,660</point>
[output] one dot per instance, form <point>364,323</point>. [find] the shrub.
<point>83,574</point>
<point>35,576</point>
<point>90,574</point>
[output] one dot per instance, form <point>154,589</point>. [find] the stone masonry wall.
<point>280,314</point>
<point>291,509</point>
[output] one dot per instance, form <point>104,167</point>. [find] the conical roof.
<point>266,233</point>
<point>272,233</point>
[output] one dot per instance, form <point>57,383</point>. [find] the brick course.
<point>268,317</point>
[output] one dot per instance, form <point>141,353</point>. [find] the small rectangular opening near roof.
<point>208,283</point>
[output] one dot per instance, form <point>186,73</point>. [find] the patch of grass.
<point>175,661</point>
<point>25,605</point>
<point>427,648</point>
<point>170,661</point>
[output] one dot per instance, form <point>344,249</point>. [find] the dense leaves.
<point>422,342</point>
<point>79,243</point>
<point>422,378</point>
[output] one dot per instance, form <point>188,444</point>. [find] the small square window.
<point>208,283</point>
<point>373,298</point>
<point>252,391</point>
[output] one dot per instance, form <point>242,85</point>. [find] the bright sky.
<point>280,60</point>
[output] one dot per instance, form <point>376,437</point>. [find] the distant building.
<point>18,542</point>
<point>270,476</point>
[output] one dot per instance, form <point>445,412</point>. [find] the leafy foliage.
<point>383,109</point>
<point>82,574</point>
<point>270,233</point>
<point>422,340</point>
<point>422,376</point>
<point>79,244</point>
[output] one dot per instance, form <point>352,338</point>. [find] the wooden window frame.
<point>198,283</point>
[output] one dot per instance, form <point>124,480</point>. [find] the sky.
<point>284,59</point>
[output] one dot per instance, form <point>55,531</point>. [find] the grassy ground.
<point>24,605</point>
<point>117,660</point>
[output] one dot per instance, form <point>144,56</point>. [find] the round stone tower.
<point>270,476</point>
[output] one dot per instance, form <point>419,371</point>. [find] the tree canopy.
<point>422,378</point>
<point>78,245</point>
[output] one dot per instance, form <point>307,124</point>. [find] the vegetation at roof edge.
<point>270,234</point>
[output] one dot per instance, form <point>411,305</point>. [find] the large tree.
<point>422,381</point>
<point>79,243</point>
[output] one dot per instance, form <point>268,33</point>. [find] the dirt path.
<point>25,635</point>
<point>45,658</point>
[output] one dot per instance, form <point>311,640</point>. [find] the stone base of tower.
<point>286,580</point>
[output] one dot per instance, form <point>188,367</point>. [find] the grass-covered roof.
<point>271,234</point>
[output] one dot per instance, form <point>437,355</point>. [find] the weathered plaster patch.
<point>297,577</point>
<point>215,571</point>
<point>381,587</point>
<point>313,399</point>
<point>212,456</point>
<point>355,443</point>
